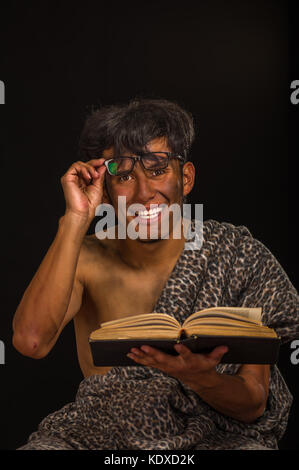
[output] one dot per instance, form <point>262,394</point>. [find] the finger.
<point>154,353</point>
<point>92,171</point>
<point>79,170</point>
<point>134,358</point>
<point>138,352</point>
<point>140,357</point>
<point>160,358</point>
<point>87,174</point>
<point>217,353</point>
<point>99,178</point>
<point>183,351</point>
<point>96,161</point>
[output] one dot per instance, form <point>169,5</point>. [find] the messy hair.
<point>130,127</point>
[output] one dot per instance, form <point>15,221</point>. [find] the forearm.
<point>233,395</point>
<point>46,299</point>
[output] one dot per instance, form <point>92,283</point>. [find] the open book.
<point>239,328</point>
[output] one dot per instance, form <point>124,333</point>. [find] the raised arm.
<point>54,295</point>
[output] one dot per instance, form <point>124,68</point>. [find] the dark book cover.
<point>241,350</point>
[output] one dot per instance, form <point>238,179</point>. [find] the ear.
<point>188,177</point>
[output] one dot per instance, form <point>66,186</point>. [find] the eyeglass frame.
<point>139,158</point>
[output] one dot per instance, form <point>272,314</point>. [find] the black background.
<point>228,62</point>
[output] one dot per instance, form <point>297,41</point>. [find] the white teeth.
<point>150,213</point>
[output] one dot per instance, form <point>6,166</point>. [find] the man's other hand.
<point>198,371</point>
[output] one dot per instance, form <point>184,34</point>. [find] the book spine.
<point>182,335</point>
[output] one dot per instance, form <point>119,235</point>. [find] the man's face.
<point>149,188</point>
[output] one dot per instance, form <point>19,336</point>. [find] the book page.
<point>140,319</point>
<point>250,314</point>
<point>229,330</point>
<point>218,319</point>
<point>155,332</point>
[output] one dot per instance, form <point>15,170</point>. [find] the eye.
<point>158,172</point>
<point>123,179</point>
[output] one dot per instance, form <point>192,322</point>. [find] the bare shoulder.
<point>94,247</point>
<point>93,254</point>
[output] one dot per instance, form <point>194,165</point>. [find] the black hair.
<point>131,126</point>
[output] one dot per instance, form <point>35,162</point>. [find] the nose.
<point>145,188</point>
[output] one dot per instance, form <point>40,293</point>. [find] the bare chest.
<point>124,294</point>
<point>113,291</point>
<point>109,298</point>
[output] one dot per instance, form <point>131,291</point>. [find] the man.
<point>140,151</point>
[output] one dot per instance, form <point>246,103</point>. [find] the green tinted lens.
<point>120,166</point>
<point>112,167</point>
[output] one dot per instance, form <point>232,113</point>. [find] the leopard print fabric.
<point>143,408</point>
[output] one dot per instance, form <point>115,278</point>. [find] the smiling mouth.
<point>149,215</point>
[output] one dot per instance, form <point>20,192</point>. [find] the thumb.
<point>96,188</point>
<point>98,182</point>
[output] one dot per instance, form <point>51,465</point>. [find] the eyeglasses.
<point>121,166</point>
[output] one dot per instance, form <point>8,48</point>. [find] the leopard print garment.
<point>143,408</point>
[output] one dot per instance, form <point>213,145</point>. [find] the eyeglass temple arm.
<point>177,156</point>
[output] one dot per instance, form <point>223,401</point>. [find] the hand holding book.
<point>240,329</point>
<point>242,398</point>
<point>191,368</point>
